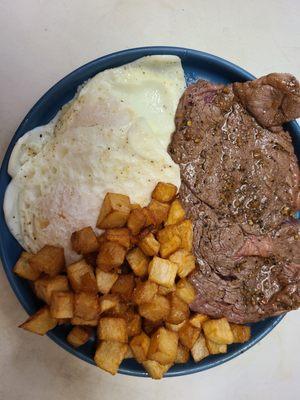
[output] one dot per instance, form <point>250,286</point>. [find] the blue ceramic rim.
<point>113,59</point>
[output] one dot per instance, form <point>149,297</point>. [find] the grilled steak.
<point>240,186</point>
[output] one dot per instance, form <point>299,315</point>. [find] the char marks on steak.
<point>240,186</point>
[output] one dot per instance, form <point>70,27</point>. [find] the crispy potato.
<point>63,321</point>
<point>129,353</point>
<point>120,310</point>
<point>40,323</point>
<point>174,327</point>
<point>167,248</point>
<point>49,259</point>
<point>185,230</point>
<point>62,305</point>
<point>150,219</point>
<point>185,261</point>
<point>182,355</point>
<point>114,211</point>
<point>109,355</point>
<point>138,262</point>
<point>84,241</point>
<point>163,272</point>
<point>112,329</point>
<point>86,305</point>
<point>241,333</point>
<point>158,309</point>
<point>215,348</point>
<point>111,256</point>
<point>144,292</point>
<point>44,287</point>
<point>78,336</point>
<point>164,290</point>
<point>91,259</point>
<point>176,213</point>
<point>199,350</point>
<point>164,192</point>
<point>118,235</point>
<point>136,221</point>
<point>124,286</point>
<point>163,346</point>
<point>134,324</point>
<point>140,345</point>
<point>159,210</point>
<point>81,277</point>
<point>188,335</point>
<point>150,327</point>
<point>198,319</point>
<point>80,321</point>
<point>179,310</point>
<point>107,302</point>
<point>24,269</point>
<point>218,330</point>
<point>156,370</point>
<point>166,234</point>
<point>105,280</point>
<point>149,245</point>
<point>185,291</point>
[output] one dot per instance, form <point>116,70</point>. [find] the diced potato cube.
<point>185,230</point>
<point>149,245</point>
<point>176,213</point>
<point>198,319</point>
<point>140,345</point>
<point>215,348</point>
<point>78,336</point>
<point>138,262</point>
<point>44,287</point>
<point>218,330</point>
<point>107,302</point>
<point>111,256</point>
<point>167,248</point>
<point>174,327</point>
<point>91,259</point>
<point>188,335</point>
<point>164,290</point>
<point>112,329</point>
<point>41,322</point>
<point>24,269</point>
<point>119,235</point>
<point>136,221</point>
<point>49,259</point>
<point>163,272</point>
<point>114,211</point>
<point>129,353</point>
<point>163,346</point>
<point>134,324</point>
<point>241,333</point>
<point>86,305</point>
<point>166,234</point>
<point>105,280</point>
<point>81,277</point>
<point>199,350</point>
<point>179,310</point>
<point>80,321</point>
<point>84,241</point>
<point>158,309</point>
<point>144,292</point>
<point>185,261</point>
<point>185,291</point>
<point>159,210</point>
<point>120,310</point>
<point>150,219</point>
<point>124,286</point>
<point>62,305</point>
<point>150,327</point>
<point>156,370</point>
<point>164,192</point>
<point>183,354</point>
<point>109,355</point>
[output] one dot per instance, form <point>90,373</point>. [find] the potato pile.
<point>131,284</point>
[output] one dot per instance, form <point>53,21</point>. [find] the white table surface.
<point>40,42</point>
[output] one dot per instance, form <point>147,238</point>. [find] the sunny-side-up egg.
<point>112,137</point>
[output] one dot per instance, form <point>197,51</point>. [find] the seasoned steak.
<point>240,186</point>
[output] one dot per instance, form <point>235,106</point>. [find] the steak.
<point>240,187</point>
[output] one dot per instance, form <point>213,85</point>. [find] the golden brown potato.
<point>112,329</point>
<point>81,277</point>
<point>144,292</point>
<point>44,287</point>
<point>114,211</point>
<point>163,272</point>
<point>156,370</point>
<point>150,327</point>
<point>215,348</point>
<point>84,241</point>
<point>41,322</point>
<point>199,350</point>
<point>183,354</point>
<point>185,230</point>
<point>176,213</point>
<point>150,219</point>
<point>166,234</point>
<point>80,321</point>
<point>188,335</point>
<point>62,305</point>
<point>149,245</point>
<point>105,280</point>
<point>218,330</point>
<point>133,323</point>
<point>158,309</point>
<point>185,261</point>
<point>163,346</point>
<point>118,235</point>
<point>139,345</point>
<point>107,302</point>
<point>78,336</point>
<point>159,210</point>
<point>86,305</point>
<point>167,248</point>
<point>164,192</point>
<point>138,262</point>
<point>174,327</point>
<point>129,353</point>
<point>120,310</point>
<point>241,333</point>
<point>111,256</point>
<point>136,221</point>
<point>24,269</point>
<point>179,310</point>
<point>185,291</point>
<point>109,355</point>
<point>164,290</point>
<point>49,259</point>
<point>91,259</point>
<point>198,319</point>
<point>124,286</point>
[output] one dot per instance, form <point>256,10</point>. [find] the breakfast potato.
<point>159,210</point>
<point>78,336</point>
<point>107,302</point>
<point>133,323</point>
<point>149,245</point>
<point>118,235</point>
<point>150,327</point>
<point>185,291</point>
<point>44,287</point>
<point>112,329</point>
<point>174,327</point>
<point>144,292</point>
<point>109,355</point>
<point>136,221</point>
<point>62,305</point>
<point>241,333</point>
<point>86,305</point>
<point>139,345</point>
<point>84,241</point>
<point>163,346</point>
<point>24,269</point>
<point>129,353</point>
<point>81,321</point>
<point>155,369</point>
<point>176,213</point>
<point>50,260</point>
<point>41,322</point>
<point>124,286</point>
<point>164,192</point>
<point>138,262</point>
<point>157,309</point>
<point>114,211</point>
<point>185,261</point>
<point>166,290</point>
<point>163,272</point>
<point>150,219</point>
<point>179,310</point>
<point>91,259</point>
<point>167,233</point>
<point>167,248</point>
<point>198,319</point>
<point>215,348</point>
<point>105,280</point>
<point>81,277</point>
<point>188,335</point>
<point>111,256</point>
<point>185,230</point>
<point>183,354</point>
<point>120,309</point>
<point>218,330</point>
<point>199,350</point>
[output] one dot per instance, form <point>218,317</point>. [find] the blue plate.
<point>196,65</point>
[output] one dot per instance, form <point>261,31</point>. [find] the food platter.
<point>196,65</point>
